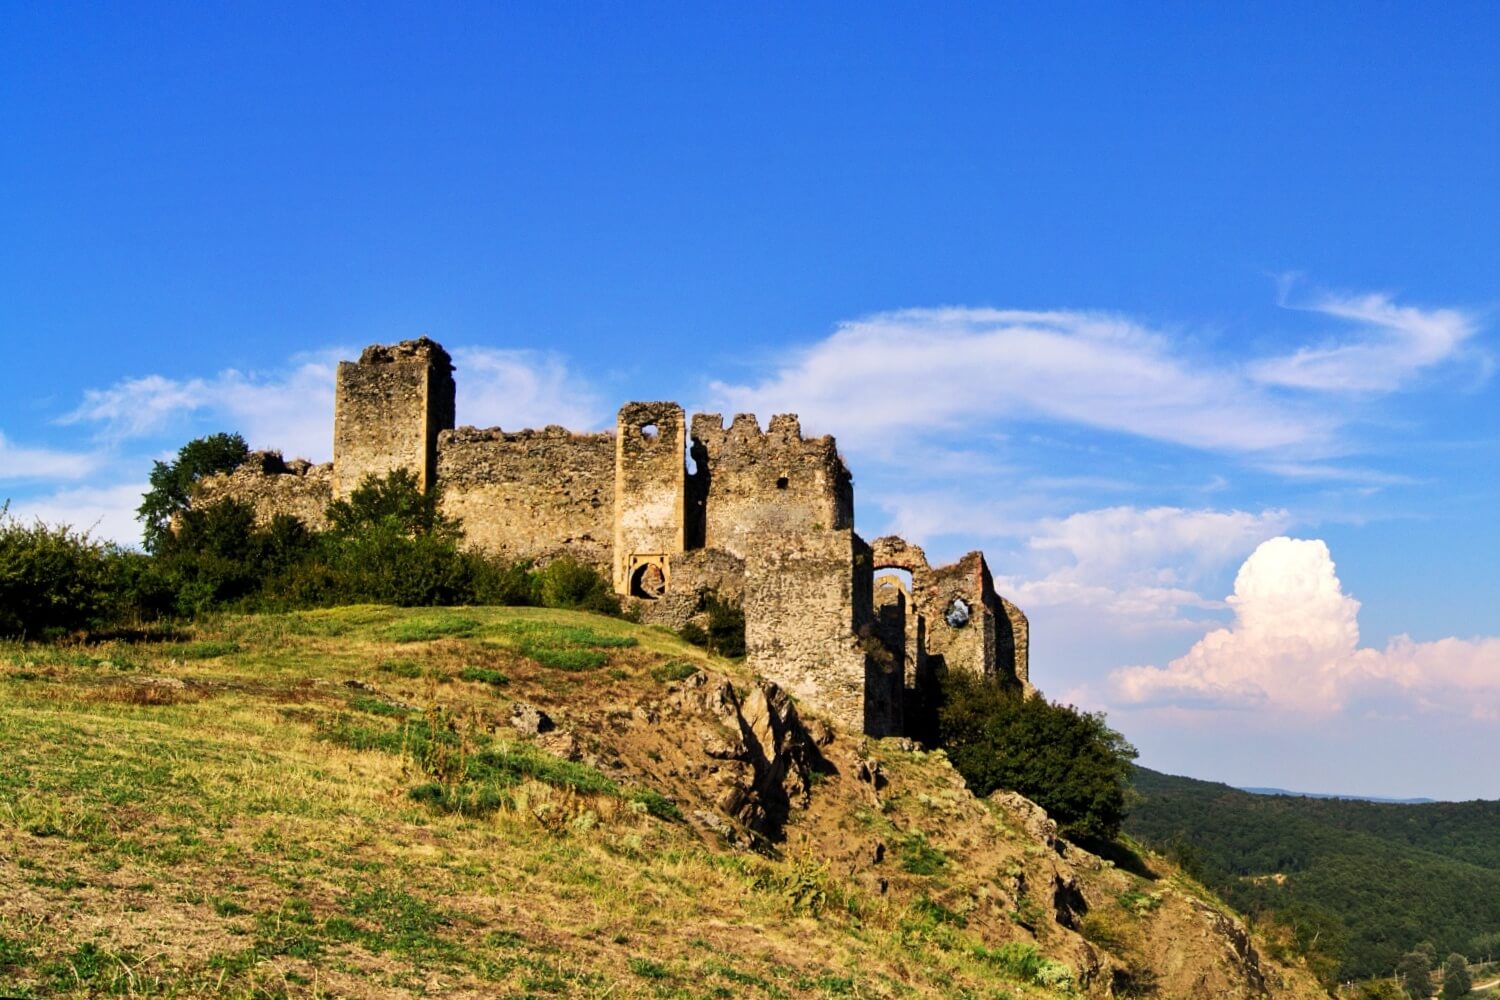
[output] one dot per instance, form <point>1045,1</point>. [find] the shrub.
<point>723,632</point>
<point>1068,762</point>
<point>52,579</point>
<point>568,583</point>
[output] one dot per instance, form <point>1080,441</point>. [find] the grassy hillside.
<point>1361,882</point>
<point>361,802</point>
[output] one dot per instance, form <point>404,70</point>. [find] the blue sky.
<point>1118,293</point>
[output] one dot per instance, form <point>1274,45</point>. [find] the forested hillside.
<point>1356,884</point>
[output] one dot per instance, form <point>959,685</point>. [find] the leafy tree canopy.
<point>1068,762</point>
<point>172,482</point>
<point>395,502</point>
<point>1456,981</point>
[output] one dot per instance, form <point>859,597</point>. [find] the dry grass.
<point>230,813</point>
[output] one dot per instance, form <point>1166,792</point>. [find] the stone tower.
<point>650,496</point>
<point>388,409</point>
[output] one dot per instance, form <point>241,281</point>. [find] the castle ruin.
<point>763,518</point>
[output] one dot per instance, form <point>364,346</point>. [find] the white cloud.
<point>928,371</point>
<point>1294,646</point>
<point>1140,568</point>
<point>105,512</point>
<point>18,463</point>
<point>290,410</point>
<point>519,389</point>
<point>1391,344</point>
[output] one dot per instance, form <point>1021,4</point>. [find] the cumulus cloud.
<point>1294,645</point>
<point>20,463</point>
<point>1141,567</point>
<point>517,389</point>
<point>933,370</point>
<point>1388,346</point>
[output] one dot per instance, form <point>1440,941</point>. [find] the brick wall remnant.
<point>389,408</point>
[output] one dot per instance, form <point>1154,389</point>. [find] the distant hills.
<point>1336,795</point>
<point>1353,883</point>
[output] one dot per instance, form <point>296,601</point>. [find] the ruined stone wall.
<point>650,494</point>
<point>1020,630</point>
<point>776,482</point>
<point>272,486</point>
<point>695,574</point>
<point>801,619</point>
<point>388,410</point>
<point>531,494</point>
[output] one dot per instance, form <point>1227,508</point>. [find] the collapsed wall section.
<point>650,496</point>
<point>272,487</point>
<point>530,494</point>
<point>776,482</point>
<point>389,408</point>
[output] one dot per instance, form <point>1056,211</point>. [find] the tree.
<point>1415,974</point>
<point>395,501</point>
<point>52,579</point>
<point>1068,762</point>
<point>172,482</point>
<point>1456,981</point>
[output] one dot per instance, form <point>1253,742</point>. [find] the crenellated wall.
<point>272,486</point>
<point>774,481</point>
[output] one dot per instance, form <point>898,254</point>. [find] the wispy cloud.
<point>20,463</point>
<point>105,512</point>
<point>517,389</point>
<point>1138,569</point>
<point>1387,348</point>
<point>1294,646</point>
<point>290,409</point>
<point>901,374</point>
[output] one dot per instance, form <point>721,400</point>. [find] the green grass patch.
<point>484,675</point>
<point>205,650</point>
<point>919,857</point>
<point>647,969</point>
<point>431,628</point>
<point>409,669</point>
<point>377,706</point>
<point>673,670</point>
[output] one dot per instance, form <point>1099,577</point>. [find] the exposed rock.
<point>529,719</point>
<point>1028,815</point>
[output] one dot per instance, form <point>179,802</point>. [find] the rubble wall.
<point>530,494</point>
<point>272,486</point>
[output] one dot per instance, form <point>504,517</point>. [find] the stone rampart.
<point>530,494</point>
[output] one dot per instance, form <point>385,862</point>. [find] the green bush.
<point>568,583</point>
<point>724,631</point>
<point>1068,762</point>
<point>52,579</point>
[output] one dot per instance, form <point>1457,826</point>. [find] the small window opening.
<point>648,431</point>
<point>958,613</point>
<point>781,483</point>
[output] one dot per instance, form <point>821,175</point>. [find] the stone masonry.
<point>764,519</point>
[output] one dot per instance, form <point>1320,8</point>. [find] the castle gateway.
<point>763,518</point>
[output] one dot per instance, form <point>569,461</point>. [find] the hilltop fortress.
<point>763,518</point>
